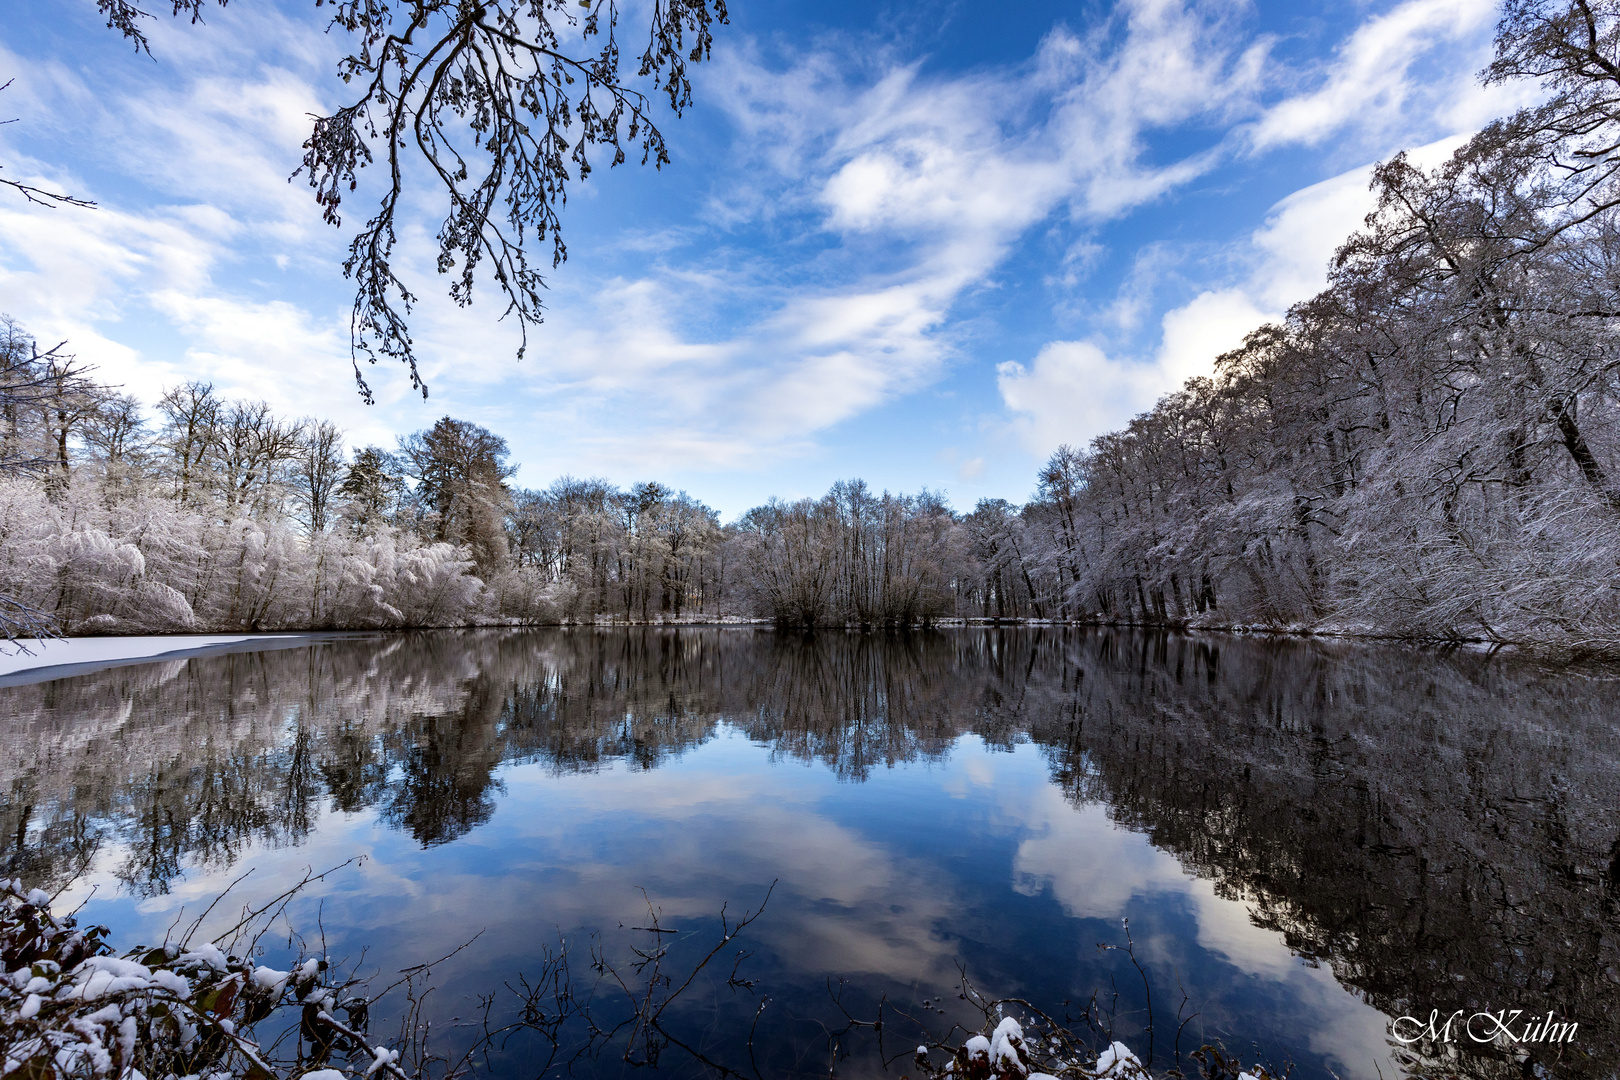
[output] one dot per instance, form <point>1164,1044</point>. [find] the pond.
<point>1306,838</point>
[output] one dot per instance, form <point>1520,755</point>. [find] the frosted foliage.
<point>151,564</point>
<point>853,557</point>
<point>73,1011</point>
<point>1118,1061</point>
<point>1431,446</point>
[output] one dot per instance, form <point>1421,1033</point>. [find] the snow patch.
<point>29,654</point>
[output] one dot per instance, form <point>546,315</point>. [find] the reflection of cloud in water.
<point>571,851</point>
<point>1095,869</point>
<point>834,909</point>
<point>565,852</point>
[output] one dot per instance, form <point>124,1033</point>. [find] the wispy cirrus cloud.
<point>943,176</point>
<point>923,184</point>
<point>1402,76</point>
<point>1370,86</point>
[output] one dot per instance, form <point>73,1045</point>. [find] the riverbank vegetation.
<point>1427,448</point>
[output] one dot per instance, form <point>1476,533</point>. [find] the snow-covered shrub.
<point>156,607</point>
<point>528,596</point>
<point>430,585</point>
<point>1006,1052</point>
<point>341,586</point>
<point>147,563</point>
<point>71,1010</point>
<point>27,524</point>
<point>96,576</point>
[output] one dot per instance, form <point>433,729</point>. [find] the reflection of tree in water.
<point>186,762</point>
<point>354,769</point>
<point>639,697</point>
<point>446,764</point>
<point>202,811</point>
<point>851,701</point>
<point>1439,829</point>
<point>36,847</point>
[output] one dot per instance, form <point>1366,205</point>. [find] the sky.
<point>922,243</point>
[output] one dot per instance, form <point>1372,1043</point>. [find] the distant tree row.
<point>216,514</point>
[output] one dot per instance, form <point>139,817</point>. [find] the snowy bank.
<point>32,660</point>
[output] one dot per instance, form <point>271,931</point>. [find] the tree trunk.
<point>1575,443</point>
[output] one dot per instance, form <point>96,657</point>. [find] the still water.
<point>1307,839</point>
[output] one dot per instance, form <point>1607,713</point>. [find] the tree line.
<point>209,513</point>
<point>1429,446</point>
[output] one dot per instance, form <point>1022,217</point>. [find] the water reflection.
<point>1438,832</point>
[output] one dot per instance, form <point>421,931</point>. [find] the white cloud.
<point>944,174</point>
<point>1096,869</point>
<point>975,160</point>
<point>956,170</point>
<point>1369,83</point>
<point>1212,323</point>
<point>966,470</point>
<point>948,174</point>
<point>1073,390</point>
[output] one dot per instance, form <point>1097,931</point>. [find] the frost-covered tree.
<point>317,473</point>
<point>188,417</point>
<point>853,557</point>
<point>115,433</point>
<point>370,489</point>
<point>1431,445</point>
<point>459,473</point>
<point>254,455</point>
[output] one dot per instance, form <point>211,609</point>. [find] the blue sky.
<point>918,242</point>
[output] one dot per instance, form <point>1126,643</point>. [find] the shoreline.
<point>30,660</point>
<point>33,660</point>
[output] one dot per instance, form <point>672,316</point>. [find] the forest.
<point>1427,448</point>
